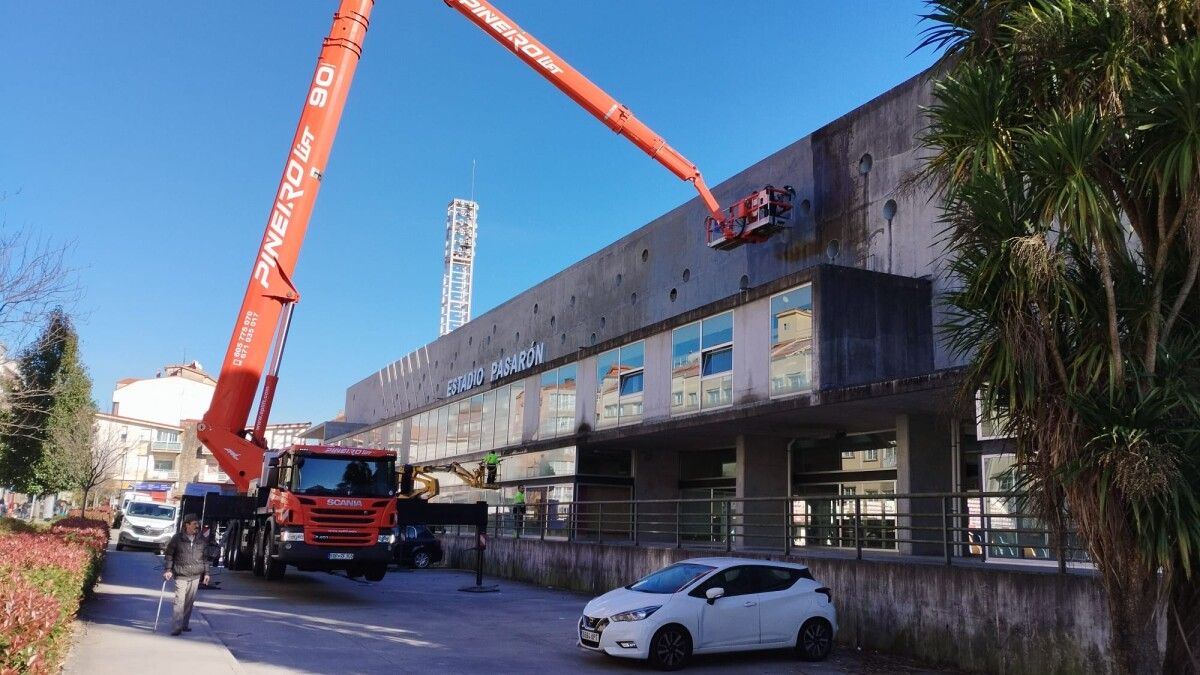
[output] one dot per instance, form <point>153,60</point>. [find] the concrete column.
<point>762,471</point>
<point>924,463</point>
<point>656,476</point>
<point>656,401</point>
<point>751,350</point>
<point>585,393</point>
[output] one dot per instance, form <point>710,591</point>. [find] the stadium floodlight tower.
<point>461,223</point>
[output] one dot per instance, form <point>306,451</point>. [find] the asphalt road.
<point>411,622</point>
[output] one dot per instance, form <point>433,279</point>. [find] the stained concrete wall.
<point>976,618</point>
<point>664,269</point>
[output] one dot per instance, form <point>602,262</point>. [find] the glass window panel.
<point>450,447</point>
<point>685,369</point>
<point>548,404</point>
<point>516,413</point>
<point>476,424</point>
<point>608,378</point>
<point>488,433</point>
<point>633,356</point>
<point>631,383</point>
<point>718,329</point>
<point>717,391</point>
<point>791,341</point>
<point>464,426</point>
<point>548,463</point>
<point>566,400</point>
<point>442,424</point>
<point>414,439</point>
<point>502,401</point>
<point>718,361</point>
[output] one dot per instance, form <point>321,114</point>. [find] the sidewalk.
<point>114,632</point>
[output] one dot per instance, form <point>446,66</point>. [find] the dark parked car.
<point>416,547</point>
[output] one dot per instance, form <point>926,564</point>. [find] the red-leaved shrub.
<point>43,578</point>
<point>27,619</point>
<point>92,533</point>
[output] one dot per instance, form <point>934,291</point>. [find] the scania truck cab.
<point>319,508</point>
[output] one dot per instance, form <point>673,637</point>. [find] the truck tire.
<point>258,566</point>
<point>272,568</point>
<point>230,560</point>
<point>376,572</point>
<point>240,557</point>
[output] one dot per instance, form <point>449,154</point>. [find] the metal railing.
<point>952,527</point>
<point>166,446</point>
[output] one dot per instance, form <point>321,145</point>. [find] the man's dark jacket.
<point>186,559</point>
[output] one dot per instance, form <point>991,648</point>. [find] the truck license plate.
<point>341,556</point>
<point>590,636</point>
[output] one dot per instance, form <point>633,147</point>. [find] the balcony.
<point>155,474</point>
<point>166,446</point>
<point>212,476</point>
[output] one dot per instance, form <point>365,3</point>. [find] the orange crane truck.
<point>334,508</point>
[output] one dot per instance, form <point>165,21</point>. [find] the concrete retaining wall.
<point>975,618</point>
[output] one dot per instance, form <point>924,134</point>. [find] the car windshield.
<point>670,579</point>
<point>349,477</point>
<point>151,510</point>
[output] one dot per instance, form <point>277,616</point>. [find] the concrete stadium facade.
<point>658,368</point>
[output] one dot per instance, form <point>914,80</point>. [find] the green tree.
<point>49,388</point>
<point>1065,145</point>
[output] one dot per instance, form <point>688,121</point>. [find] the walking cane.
<point>161,594</point>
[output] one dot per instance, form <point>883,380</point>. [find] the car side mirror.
<point>713,593</point>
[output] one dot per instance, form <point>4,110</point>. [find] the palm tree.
<point>1065,147</point>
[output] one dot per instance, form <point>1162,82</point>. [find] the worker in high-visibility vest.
<point>491,462</point>
<point>519,508</point>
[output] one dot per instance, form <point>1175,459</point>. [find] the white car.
<point>709,605</point>
<point>147,525</point>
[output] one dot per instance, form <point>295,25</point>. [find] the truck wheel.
<point>376,572</point>
<point>230,550</point>
<point>257,565</point>
<point>272,568</point>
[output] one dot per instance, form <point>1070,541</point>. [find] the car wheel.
<point>670,648</point>
<point>120,546</point>
<point>815,640</point>
<point>421,559</point>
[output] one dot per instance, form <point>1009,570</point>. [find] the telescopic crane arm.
<point>751,219</point>
<point>270,296</point>
<point>261,330</point>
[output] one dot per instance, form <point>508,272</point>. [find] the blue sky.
<point>150,137</point>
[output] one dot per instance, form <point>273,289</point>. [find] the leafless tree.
<point>34,280</point>
<point>87,455</point>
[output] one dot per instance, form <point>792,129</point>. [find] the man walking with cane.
<point>188,566</point>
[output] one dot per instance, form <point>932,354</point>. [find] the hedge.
<point>44,575</point>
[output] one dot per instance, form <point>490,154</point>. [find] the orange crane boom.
<point>260,333</point>
<point>270,295</point>
<point>753,218</point>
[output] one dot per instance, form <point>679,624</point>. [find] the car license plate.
<point>590,635</point>
<point>341,556</point>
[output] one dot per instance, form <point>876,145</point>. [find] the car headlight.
<point>291,535</point>
<point>387,538</point>
<point>636,614</point>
